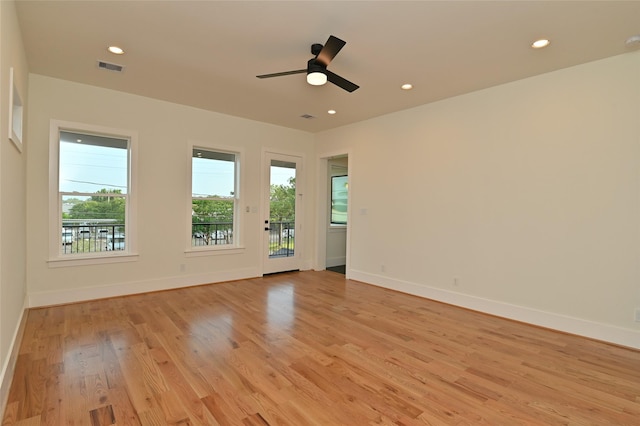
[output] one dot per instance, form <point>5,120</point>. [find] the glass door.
<point>281,225</point>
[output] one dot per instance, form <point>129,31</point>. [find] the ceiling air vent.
<point>111,67</point>
<point>307,116</point>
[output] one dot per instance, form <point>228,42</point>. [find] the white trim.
<point>336,261</point>
<point>8,368</point>
<point>58,297</point>
<point>15,123</point>
<point>297,261</point>
<point>61,262</point>
<point>567,324</point>
<point>131,213</point>
<point>323,222</point>
<point>214,251</point>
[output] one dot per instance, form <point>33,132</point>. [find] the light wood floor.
<point>309,348</point>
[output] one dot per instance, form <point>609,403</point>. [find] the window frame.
<point>331,223</point>
<point>237,245</point>
<point>56,257</point>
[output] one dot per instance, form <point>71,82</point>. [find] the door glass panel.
<point>282,209</point>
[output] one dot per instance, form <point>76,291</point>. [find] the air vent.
<point>110,67</point>
<point>307,116</point>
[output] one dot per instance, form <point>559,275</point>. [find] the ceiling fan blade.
<point>341,82</point>
<point>279,74</point>
<point>330,50</point>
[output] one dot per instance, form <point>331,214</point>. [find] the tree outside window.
<point>213,197</point>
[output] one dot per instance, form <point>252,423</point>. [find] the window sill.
<point>62,262</point>
<point>213,251</point>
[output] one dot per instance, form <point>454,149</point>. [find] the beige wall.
<point>522,200</point>
<point>12,197</point>
<point>164,130</point>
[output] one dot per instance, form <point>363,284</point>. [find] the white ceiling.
<point>207,53</point>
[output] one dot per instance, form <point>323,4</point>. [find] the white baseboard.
<point>336,261</point>
<point>58,297</point>
<point>577,326</point>
<point>8,368</point>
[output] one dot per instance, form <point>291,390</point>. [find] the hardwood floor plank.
<point>309,348</point>
<point>11,413</point>
<point>102,416</point>
<point>32,421</point>
<point>123,410</point>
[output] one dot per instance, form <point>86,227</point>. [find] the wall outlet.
<point>637,317</point>
<point>455,282</point>
<point>382,268</point>
<point>183,267</point>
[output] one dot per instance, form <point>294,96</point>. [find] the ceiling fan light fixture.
<point>316,78</point>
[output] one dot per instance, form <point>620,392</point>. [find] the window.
<point>339,195</point>
<point>214,198</point>
<point>92,204</point>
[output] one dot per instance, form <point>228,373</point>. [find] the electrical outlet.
<point>637,317</point>
<point>455,282</point>
<point>382,268</point>
<point>183,267</point>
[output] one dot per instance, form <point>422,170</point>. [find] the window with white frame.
<point>93,203</point>
<point>339,198</point>
<point>214,198</point>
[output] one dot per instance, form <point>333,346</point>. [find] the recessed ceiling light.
<point>539,44</point>
<point>115,50</point>
<point>406,86</point>
<point>331,111</point>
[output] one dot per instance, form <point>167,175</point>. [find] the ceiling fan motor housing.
<point>316,48</point>
<point>314,66</point>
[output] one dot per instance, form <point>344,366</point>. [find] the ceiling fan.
<point>317,72</point>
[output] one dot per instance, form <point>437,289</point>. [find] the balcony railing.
<point>83,238</point>
<point>281,239</point>
<point>211,234</point>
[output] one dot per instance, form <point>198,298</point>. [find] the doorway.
<point>282,199</point>
<point>337,200</point>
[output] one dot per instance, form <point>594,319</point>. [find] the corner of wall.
<point>8,368</point>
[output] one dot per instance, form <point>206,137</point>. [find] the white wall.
<point>522,200</point>
<point>164,130</point>
<point>12,199</point>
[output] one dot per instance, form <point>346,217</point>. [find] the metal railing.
<point>83,238</point>
<point>210,234</point>
<point>281,239</point>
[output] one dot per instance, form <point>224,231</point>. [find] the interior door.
<point>281,222</point>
